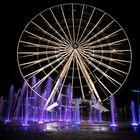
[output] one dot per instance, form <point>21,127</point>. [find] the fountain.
<point>25,107</point>
<point>28,107</point>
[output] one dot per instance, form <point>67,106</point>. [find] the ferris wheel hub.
<point>75,45</point>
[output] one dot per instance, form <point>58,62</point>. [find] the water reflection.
<point>51,126</point>
<point>67,126</point>
<point>135,128</point>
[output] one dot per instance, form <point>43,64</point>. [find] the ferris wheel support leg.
<point>87,77</point>
<point>55,89</point>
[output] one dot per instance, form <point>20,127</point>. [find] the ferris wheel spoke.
<point>107,51</point>
<point>103,85</point>
<point>86,25</point>
<point>73,24</point>
<point>21,55</point>
<point>90,83</point>
<point>118,71</point>
<point>43,39</point>
<point>62,74</point>
<point>95,26</point>
<point>30,75</point>
<point>73,67</point>
<point>50,35</point>
<point>115,33</point>
<point>55,51</point>
<point>100,32</point>
<point>24,56</point>
<point>96,79</point>
<point>80,23</point>
<point>112,80</point>
<point>120,61</point>
<point>30,54</point>
<point>46,66</point>
<point>118,42</point>
<point>46,76</point>
<point>42,52</point>
<point>60,25</point>
<point>35,45</point>
<point>81,85</point>
<point>52,28</point>
<point>31,44</point>
<point>31,63</point>
<point>61,88</point>
<point>66,24</point>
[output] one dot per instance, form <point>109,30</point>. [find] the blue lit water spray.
<point>138,105</point>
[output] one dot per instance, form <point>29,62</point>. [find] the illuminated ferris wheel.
<point>75,45</point>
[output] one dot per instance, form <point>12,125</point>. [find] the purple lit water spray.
<point>113,112</point>
<point>1,107</point>
<point>133,114</point>
<point>139,114</point>
<point>68,104</point>
<point>10,100</point>
<point>26,118</point>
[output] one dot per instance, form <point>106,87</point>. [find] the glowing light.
<point>25,124</point>
<point>52,106</point>
<point>40,122</point>
<point>113,50</point>
<point>113,124</point>
<point>134,124</point>
<point>6,121</point>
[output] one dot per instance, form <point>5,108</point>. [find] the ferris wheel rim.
<point>83,6</point>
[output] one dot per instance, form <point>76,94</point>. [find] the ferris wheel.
<point>75,45</point>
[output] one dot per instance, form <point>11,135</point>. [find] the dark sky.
<point>15,18</point>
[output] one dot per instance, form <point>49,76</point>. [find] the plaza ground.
<point>66,132</point>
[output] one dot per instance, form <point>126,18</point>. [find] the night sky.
<point>14,19</point>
